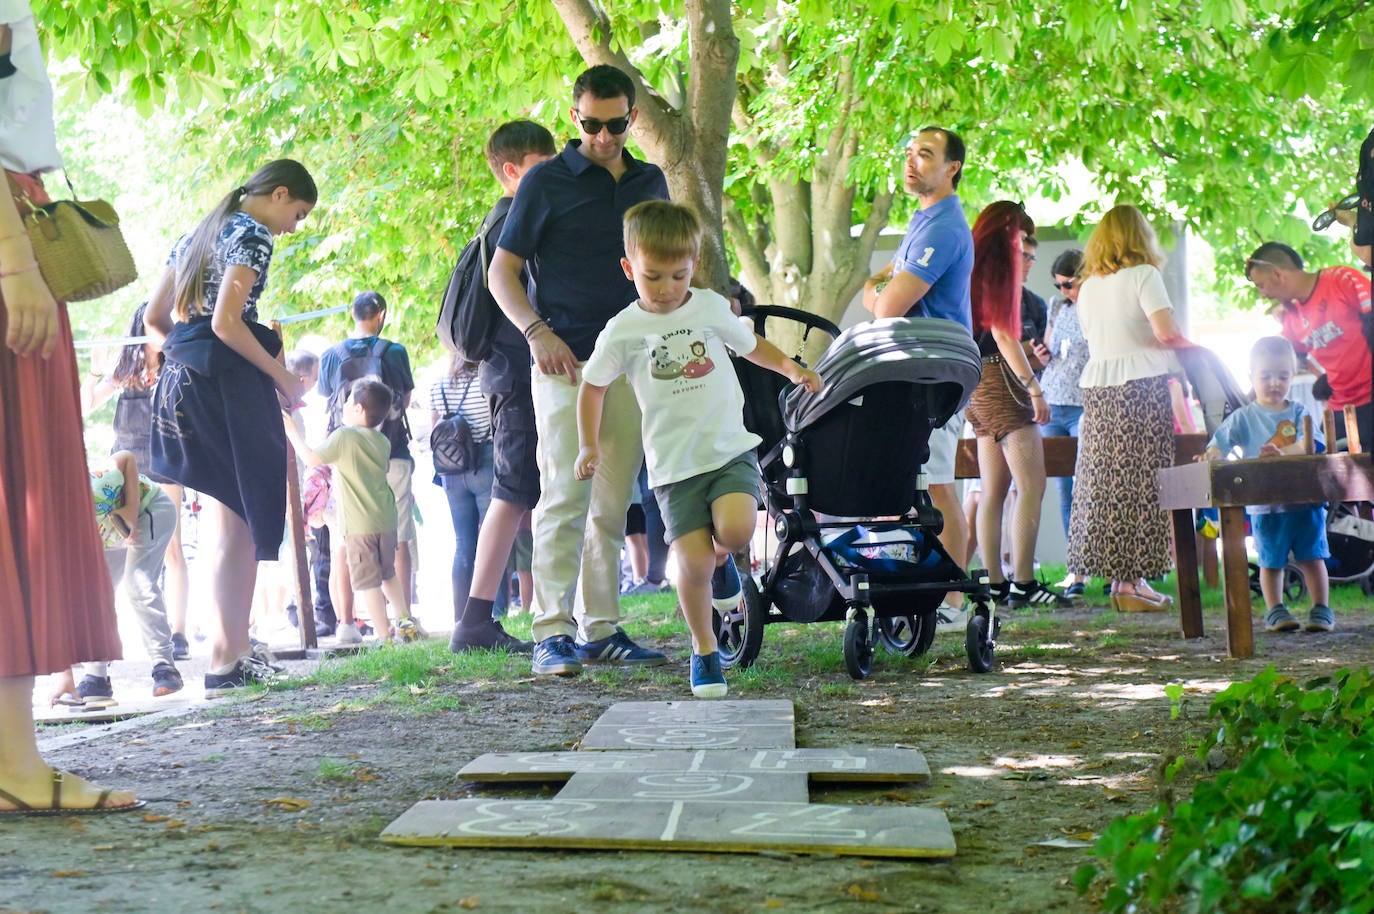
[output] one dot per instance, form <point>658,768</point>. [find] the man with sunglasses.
<point>1324,315</point>
<point>565,226</point>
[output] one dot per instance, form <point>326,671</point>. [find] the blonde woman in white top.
<point>1117,530</point>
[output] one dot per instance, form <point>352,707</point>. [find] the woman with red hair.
<point>1006,407</point>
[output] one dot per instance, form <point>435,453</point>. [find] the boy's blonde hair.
<point>1122,239</point>
<point>1272,347</point>
<point>659,228</point>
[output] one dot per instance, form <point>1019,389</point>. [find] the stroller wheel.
<point>979,641</point>
<point>858,650</point>
<point>910,635</point>
<point>1367,585</point>
<point>739,632</point>
<point>1294,583</point>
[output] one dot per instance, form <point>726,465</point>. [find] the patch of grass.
<point>314,722</point>
<point>844,688</point>
<point>340,770</point>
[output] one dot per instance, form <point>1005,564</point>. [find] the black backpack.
<point>369,363</point>
<point>450,442</point>
<point>468,315</point>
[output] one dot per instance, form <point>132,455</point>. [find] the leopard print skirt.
<point>1117,530</point>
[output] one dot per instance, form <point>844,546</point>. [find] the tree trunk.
<point>688,143</point>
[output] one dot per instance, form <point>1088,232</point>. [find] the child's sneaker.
<point>1320,619</point>
<point>166,679</point>
<point>348,633</point>
<point>95,692</point>
<point>408,629</point>
<point>725,586</point>
<point>1279,619</point>
<point>707,679</point>
<point>181,648</point>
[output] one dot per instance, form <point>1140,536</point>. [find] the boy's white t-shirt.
<point>681,374</point>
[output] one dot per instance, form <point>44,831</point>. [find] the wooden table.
<point>1230,485</point>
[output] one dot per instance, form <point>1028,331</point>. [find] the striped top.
<point>455,393</point>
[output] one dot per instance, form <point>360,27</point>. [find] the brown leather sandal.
<point>55,808</point>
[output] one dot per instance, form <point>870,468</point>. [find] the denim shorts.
<point>1301,532</point>
<point>686,504</point>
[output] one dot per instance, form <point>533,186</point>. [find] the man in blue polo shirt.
<point>929,277</point>
<point>566,226</point>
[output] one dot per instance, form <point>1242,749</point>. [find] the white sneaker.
<point>347,633</point>
<point>949,619</point>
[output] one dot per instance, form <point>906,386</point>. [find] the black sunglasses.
<point>1324,220</point>
<point>592,126</point>
<point>1065,286</point>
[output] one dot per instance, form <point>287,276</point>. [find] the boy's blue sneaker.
<point>617,648</point>
<point>1279,619</point>
<point>707,679</point>
<point>555,656</point>
<point>725,586</point>
<point>1321,619</point>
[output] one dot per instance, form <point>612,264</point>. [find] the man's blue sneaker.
<point>725,586</point>
<point>617,648</point>
<point>707,679</point>
<point>554,656</point>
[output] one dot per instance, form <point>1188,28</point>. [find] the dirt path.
<point>1039,755</point>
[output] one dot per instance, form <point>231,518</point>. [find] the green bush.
<point>1287,825</point>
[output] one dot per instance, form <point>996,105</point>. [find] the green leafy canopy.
<point>1234,117</point>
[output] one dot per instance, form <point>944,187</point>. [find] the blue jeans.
<point>469,495</point>
<point>1064,419</point>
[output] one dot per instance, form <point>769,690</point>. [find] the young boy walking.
<point>1269,427</point>
<point>136,521</point>
<point>671,343</point>
<point>360,456</point>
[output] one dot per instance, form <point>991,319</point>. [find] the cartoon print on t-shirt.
<point>669,360</point>
<point>700,364</point>
<point>661,363</point>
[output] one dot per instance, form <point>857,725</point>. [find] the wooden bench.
<point>1061,459</point>
<point>1061,454</point>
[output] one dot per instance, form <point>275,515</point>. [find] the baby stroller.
<point>855,526</point>
<point>1349,529</point>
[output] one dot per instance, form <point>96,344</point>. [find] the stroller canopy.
<point>920,350</point>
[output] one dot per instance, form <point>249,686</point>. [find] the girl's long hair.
<point>130,370</point>
<point>995,286</point>
<point>459,365</point>
<point>1122,239</point>
<point>190,269</point>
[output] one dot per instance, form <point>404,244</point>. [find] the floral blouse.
<point>243,241</point>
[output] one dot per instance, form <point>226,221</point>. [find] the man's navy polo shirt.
<point>567,222</point>
<point>938,248</point>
